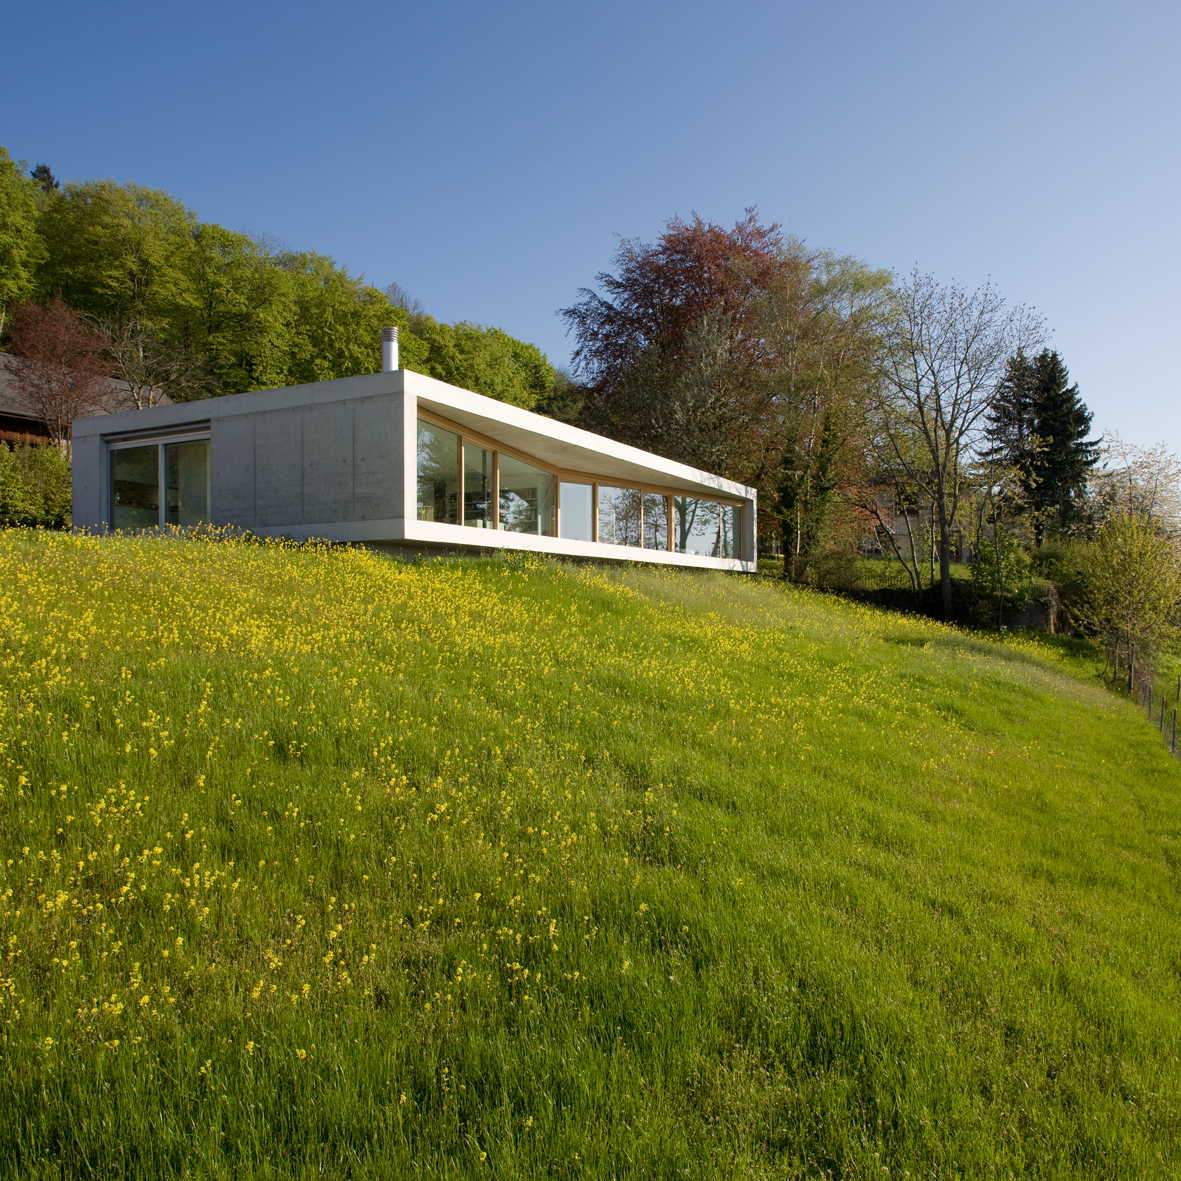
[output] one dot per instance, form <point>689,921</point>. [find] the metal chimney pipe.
<point>389,350</point>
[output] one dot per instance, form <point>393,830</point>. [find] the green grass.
<point>317,864</point>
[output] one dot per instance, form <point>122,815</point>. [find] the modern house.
<point>400,461</point>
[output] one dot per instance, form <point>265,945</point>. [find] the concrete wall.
<point>336,462</point>
<point>327,454</point>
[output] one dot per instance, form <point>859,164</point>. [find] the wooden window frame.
<point>466,435</point>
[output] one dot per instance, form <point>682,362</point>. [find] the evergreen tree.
<point>42,175</point>
<point>1038,425</point>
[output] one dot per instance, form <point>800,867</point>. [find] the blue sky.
<point>485,156</point>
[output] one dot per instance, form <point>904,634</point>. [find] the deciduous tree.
<point>153,367</point>
<point>661,291</point>
<point>943,361</point>
<point>122,252</point>
<point>21,248</point>
<point>1143,482</point>
<point>1132,587</point>
<point>61,368</point>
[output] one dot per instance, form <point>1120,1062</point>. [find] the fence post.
<point>1174,748</point>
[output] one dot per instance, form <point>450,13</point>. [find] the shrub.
<point>1001,574</point>
<point>34,486</point>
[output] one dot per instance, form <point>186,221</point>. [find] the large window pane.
<point>526,498</point>
<point>135,487</point>
<point>619,516</point>
<point>695,526</point>
<point>438,474</point>
<point>731,531</point>
<point>186,467</point>
<point>577,512</point>
<point>655,521</point>
<point>477,486</point>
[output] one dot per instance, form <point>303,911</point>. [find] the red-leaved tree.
<point>661,292</point>
<point>60,364</point>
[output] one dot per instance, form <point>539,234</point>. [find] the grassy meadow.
<point>318,864</point>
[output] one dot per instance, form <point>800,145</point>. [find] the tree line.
<point>168,303</point>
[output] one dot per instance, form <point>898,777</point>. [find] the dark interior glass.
<point>135,487</point>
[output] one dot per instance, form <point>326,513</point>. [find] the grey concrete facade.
<point>336,460</point>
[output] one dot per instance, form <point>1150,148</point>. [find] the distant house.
<point>20,421</point>
<point>399,461</point>
<point>908,524</point>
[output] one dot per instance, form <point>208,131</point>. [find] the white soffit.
<point>563,446</point>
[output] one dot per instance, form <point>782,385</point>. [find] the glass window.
<point>135,487</point>
<point>438,474</point>
<point>619,516</point>
<point>186,467</point>
<point>526,498</point>
<point>695,526</point>
<point>577,512</point>
<point>655,521</point>
<point>477,486</point>
<point>731,531</point>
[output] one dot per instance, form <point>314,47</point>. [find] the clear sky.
<point>486,155</point>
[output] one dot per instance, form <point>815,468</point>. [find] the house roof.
<point>14,404</point>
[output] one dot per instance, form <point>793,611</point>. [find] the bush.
<point>836,569</point>
<point>1001,574</point>
<point>34,486</point>
<point>1132,585</point>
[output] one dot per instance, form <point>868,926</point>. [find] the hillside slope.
<point>316,863</point>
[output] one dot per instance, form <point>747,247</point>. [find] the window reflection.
<point>478,484</point>
<point>438,474</point>
<point>577,514</point>
<point>695,526</point>
<point>498,491</point>
<point>655,521</point>
<point>731,531</point>
<point>135,487</point>
<point>186,467</point>
<point>526,498</point>
<point>619,515</point>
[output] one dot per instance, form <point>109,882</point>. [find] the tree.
<point>399,297</point>
<point>42,175</point>
<point>153,367</point>
<point>190,307</point>
<point>121,252</point>
<point>1143,482</point>
<point>21,248</point>
<point>945,356</point>
<point>1038,425</point>
<point>1132,585</point>
<point>741,352</point>
<point>820,327</point>
<point>481,358</point>
<point>692,407</point>
<point>662,291</point>
<point>242,312</point>
<point>60,368</point>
